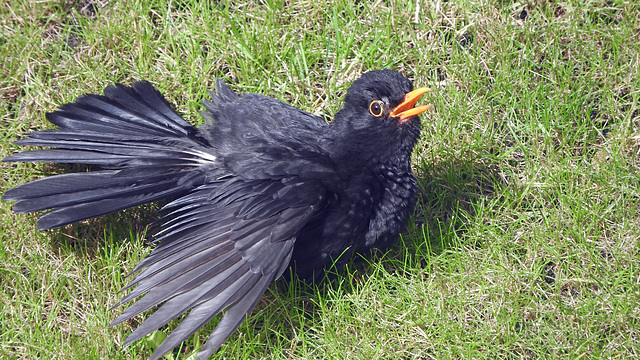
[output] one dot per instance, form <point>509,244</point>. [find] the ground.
<point>525,241</point>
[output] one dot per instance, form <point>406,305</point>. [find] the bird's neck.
<point>373,145</point>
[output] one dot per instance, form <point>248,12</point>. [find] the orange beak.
<point>406,108</point>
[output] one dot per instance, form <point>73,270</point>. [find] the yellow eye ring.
<point>376,108</point>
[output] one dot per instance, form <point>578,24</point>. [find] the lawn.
<point>525,243</point>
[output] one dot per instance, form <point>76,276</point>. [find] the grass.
<point>525,242</point>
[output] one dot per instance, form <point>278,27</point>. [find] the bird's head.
<point>379,109</point>
<point>385,94</point>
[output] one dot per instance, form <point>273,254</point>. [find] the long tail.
<point>148,152</point>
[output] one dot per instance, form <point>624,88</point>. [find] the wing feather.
<point>219,248</point>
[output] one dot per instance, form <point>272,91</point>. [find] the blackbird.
<point>259,187</point>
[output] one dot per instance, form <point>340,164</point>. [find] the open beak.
<point>406,108</point>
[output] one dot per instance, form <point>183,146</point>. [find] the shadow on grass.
<point>449,195</point>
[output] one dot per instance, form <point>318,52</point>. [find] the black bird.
<point>259,187</point>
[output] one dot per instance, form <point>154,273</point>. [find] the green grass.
<point>525,242</point>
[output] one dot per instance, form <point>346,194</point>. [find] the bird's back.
<point>257,136</point>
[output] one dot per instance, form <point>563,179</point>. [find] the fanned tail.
<point>147,150</point>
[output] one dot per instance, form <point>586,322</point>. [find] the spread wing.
<point>219,248</point>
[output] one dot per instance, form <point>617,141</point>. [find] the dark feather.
<point>154,152</point>
<point>260,186</point>
<point>226,262</point>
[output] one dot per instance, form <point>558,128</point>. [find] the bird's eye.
<point>376,107</point>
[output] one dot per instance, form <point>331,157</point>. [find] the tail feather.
<point>139,107</point>
<point>77,157</point>
<point>149,153</point>
<point>102,112</point>
<point>141,94</point>
<point>103,186</point>
<point>71,214</point>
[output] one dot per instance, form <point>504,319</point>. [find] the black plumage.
<point>260,186</point>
